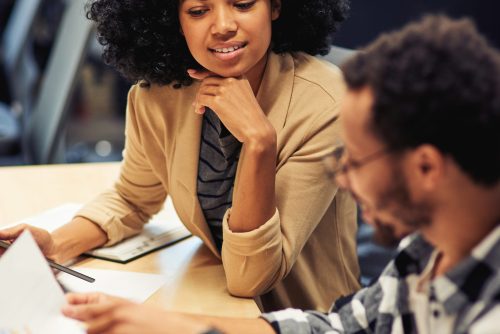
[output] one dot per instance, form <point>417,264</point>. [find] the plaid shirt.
<point>470,292</point>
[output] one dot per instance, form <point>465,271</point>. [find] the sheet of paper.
<point>53,218</point>
<point>130,285</point>
<point>31,297</point>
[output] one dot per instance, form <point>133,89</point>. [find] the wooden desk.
<point>196,281</point>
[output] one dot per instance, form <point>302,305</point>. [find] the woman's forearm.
<point>75,238</point>
<point>254,200</point>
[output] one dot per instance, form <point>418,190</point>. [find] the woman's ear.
<point>275,9</point>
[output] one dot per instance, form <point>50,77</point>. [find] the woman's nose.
<point>224,22</point>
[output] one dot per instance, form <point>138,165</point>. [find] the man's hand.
<point>106,314</point>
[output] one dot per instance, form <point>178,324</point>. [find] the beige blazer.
<point>304,256</point>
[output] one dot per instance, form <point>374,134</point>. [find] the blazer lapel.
<point>275,92</point>
<point>185,168</point>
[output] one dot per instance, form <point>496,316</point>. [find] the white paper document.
<point>31,297</point>
<point>136,287</point>
<point>163,229</point>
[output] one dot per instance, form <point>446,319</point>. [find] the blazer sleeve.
<point>137,194</point>
<point>257,260</point>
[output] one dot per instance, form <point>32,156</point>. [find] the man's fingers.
<point>83,298</point>
<point>101,324</point>
<point>86,312</point>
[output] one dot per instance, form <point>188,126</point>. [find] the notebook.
<point>165,228</point>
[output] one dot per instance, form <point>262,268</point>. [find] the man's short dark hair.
<point>435,82</point>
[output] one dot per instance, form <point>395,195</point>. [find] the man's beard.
<point>384,235</point>
<point>411,214</point>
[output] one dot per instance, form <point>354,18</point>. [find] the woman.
<point>227,95</point>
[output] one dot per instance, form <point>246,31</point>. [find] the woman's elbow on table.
<point>252,282</point>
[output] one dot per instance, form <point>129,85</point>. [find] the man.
<point>422,155</point>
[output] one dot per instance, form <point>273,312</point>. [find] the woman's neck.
<point>256,74</point>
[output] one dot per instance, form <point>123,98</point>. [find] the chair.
<point>19,69</point>
<point>338,55</point>
<point>41,138</point>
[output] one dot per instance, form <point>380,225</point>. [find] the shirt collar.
<point>473,279</point>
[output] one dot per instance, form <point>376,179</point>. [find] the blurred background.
<point>60,103</point>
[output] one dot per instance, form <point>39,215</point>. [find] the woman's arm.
<point>75,238</point>
<point>276,204</point>
<point>68,241</point>
<point>234,102</point>
<point>137,193</point>
<point>254,200</point>
<point>255,261</point>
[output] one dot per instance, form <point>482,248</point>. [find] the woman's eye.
<point>244,5</point>
<point>197,12</point>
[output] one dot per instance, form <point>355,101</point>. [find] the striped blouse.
<point>219,154</point>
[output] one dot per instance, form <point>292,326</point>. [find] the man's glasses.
<point>337,162</point>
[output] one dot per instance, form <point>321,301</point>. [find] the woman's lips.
<point>228,55</point>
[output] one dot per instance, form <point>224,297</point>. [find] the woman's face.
<point>228,37</point>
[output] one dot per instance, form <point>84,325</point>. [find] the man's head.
<point>423,110</point>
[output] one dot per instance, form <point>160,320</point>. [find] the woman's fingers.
<point>41,236</point>
<point>204,90</point>
<point>13,232</point>
<point>209,90</point>
<point>200,74</point>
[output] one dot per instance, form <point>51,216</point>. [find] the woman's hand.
<point>42,237</point>
<point>106,314</point>
<point>233,100</point>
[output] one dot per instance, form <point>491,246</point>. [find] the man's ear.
<point>275,9</point>
<point>428,166</point>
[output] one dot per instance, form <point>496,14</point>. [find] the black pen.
<point>54,265</point>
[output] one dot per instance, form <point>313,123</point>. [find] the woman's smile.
<point>228,51</point>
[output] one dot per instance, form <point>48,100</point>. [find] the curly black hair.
<point>142,39</point>
<point>437,81</point>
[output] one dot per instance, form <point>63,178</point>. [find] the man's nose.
<point>224,22</point>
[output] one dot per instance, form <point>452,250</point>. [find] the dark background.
<point>368,18</point>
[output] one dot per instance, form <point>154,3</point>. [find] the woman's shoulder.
<point>147,98</point>
<point>315,74</point>
<point>153,92</point>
